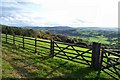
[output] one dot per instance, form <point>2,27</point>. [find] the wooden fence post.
<point>13,39</point>
<point>52,48</point>
<point>96,55</point>
<point>35,45</point>
<point>23,41</point>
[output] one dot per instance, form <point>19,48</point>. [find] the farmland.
<point>59,40</point>
<point>93,34</point>
<point>24,63</point>
<point>105,36</point>
<point>61,55</point>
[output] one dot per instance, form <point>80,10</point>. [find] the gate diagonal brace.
<point>112,65</point>
<point>61,50</point>
<point>80,54</point>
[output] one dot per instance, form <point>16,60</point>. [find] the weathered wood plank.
<point>96,55</point>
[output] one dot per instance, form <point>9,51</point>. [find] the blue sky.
<point>74,13</point>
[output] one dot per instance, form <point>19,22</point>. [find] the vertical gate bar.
<point>23,42</point>
<point>35,44</point>
<point>13,39</point>
<point>101,60</point>
<point>52,48</point>
<point>108,57</point>
<point>6,35</point>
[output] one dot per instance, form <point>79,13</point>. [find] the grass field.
<point>99,39</point>
<point>23,63</point>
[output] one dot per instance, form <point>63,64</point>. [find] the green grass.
<point>19,63</point>
<point>23,63</point>
<point>99,39</point>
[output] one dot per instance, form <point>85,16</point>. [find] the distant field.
<point>101,40</point>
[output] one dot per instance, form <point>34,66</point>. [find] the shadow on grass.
<point>41,67</point>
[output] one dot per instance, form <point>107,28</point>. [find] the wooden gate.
<point>110,63</point>
<point>80,54</point>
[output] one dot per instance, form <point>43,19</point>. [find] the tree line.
<point>40,34</point>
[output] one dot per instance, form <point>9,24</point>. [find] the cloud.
<point>4,8</point>
<point>12,8</point>
<point>8,8</point>
<point>81,21</point>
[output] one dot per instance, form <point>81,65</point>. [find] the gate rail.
<point>110,63</point>
<point>71,52</point>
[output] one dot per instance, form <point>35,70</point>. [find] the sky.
<point>73,13</point>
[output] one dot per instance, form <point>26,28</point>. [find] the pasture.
<point>24,62</point>
<point>100,39</point>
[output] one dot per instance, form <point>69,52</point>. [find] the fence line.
<point>23,41</point>
<point>55,45</point>
<point>92,55</point>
